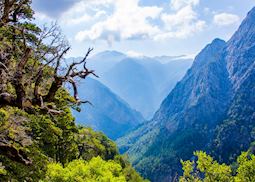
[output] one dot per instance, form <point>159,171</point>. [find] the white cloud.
<point>182,23</point>
<point>134,54</point>
<point>41,16</point>
<point>76,20</point>
<point>225,19</point>
<point>84,11</point>
<point>178,4</point>
<point>122,20</point>
<point>128,21</point>
<point>70,19</point>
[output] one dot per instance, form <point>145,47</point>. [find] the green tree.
<point>246,169</point>
<point>78,170</point>
<point>208,170</point>
<point>91,143</point>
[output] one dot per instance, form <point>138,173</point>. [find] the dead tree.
<point>36,52</point>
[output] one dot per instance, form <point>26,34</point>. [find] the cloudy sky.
<point>143,27</point>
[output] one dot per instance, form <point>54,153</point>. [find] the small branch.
<point>59,59</point>
<point>78,63</point>
<point>49,110</point>
<point>75,90</point>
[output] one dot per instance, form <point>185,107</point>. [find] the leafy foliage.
<point>207,169</point>
<point>93,143</point>
<point>78,170</point>
<point>38,140</point>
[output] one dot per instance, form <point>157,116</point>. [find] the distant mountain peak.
<point>168,59</point>
<point>210,53</point>
<point>218,41</point>
<point>110,52</point>
<point>251,12</point>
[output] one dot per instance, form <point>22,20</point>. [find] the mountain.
<point>104,61</point>
<point>133,82</point>
<point>108,113</point>
<point>157,142</point>
<point>146,81</point>
<point>212,109</point>
<point>236,132</point>
<point>167,59</point>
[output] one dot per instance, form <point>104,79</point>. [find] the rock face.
<point>204,87</point>
<point>212,108</point>
<point>240,51</point>
<point>109,113</point>
<point>236,132</point>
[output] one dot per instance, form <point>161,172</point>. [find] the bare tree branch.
<point>80,62</point>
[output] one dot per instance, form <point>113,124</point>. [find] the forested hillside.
<point>39,139</point>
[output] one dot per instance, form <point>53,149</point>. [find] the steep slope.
<point>184,108</point>
<point>109,113</point>
<point>237,132</point>
<point>212,108</point>
<point>204,87</point>
<point>240,51</point>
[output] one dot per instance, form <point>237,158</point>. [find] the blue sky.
<point>143,27</point>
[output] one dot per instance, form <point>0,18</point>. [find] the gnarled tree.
<point>32,64</point>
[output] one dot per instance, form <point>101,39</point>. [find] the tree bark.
<point>18,79</point>
<point>57,84</point>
